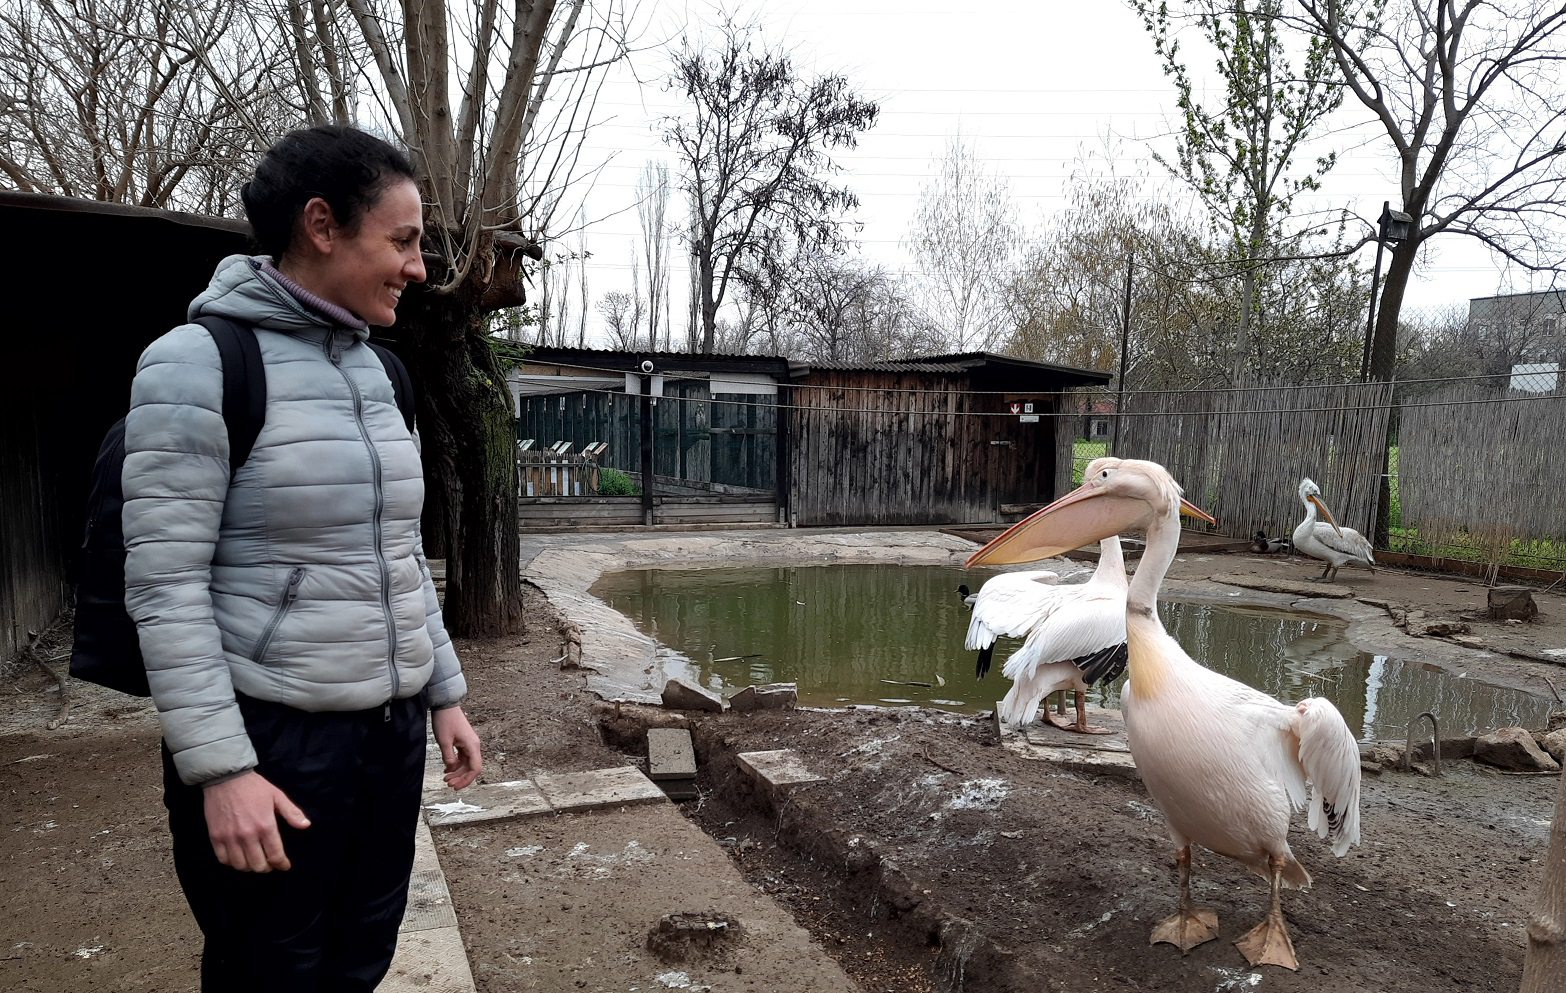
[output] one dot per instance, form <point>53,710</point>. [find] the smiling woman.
<point>287,618</point>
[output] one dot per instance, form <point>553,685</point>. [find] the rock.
<point>1513,748</point>
<point>678,695</point>
<point>767,696</point>
<point>1508,603</point>
<point>1554,745</point>
<point>1468,640</point>
<point>693,936</point>
<point>1422,625</point>
<point>1370,768</point>
<point>1556,720</point>
<point>1289,586</point>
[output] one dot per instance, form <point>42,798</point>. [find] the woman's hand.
<point>459,747</point>
<point>242,818</point>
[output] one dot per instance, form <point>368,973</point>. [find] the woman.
<point>287,618</point>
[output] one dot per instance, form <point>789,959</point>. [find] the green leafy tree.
<point>1238,153</point>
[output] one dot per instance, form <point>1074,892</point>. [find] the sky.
<point>1034,89</point>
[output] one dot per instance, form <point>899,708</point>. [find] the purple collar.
<point>325,308</point>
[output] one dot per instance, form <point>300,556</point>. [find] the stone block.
<point>577,791</point>
<point>1512,603</point>
<point>445,807</point>
<point>767,696</point>
<point>1331,591</point>
<point>670,754</point>
<point>679,695</point>
<point>1515,749</point>
<point>1422,625</point>
<point>781,767</point>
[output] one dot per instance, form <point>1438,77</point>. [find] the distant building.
<point>1528,330</point>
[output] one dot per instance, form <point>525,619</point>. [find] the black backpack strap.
<point>244,385</point>
<point>402,383</point>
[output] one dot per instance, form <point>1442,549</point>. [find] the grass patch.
<point>613,482</point>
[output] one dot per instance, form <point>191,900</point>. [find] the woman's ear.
<point>317,227</point>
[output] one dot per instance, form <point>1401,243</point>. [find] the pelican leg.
<point>1082,726</point>
<point>1060,703</point>
<point>1268,942</point>
<point>1189,926</point>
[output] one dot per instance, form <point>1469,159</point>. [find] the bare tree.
<point>1471,96</point>
<point>964,237</point>
<point>652,209</point>
<point>617,309</point>
<point>1239,156</point>
<point>147,102</point>
<point>755,149</point>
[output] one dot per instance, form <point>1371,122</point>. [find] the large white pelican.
<point>1324,540</point>
<point>1074,636</point>
<point>1227,764</point>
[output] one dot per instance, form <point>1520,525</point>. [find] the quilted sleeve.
<point>175,479</point>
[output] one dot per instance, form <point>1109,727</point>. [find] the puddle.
<point>893,636</point>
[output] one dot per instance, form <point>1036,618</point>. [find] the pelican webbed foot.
<point>1268,943</point>
<point>1085,728</point>
<point>1189,926</point>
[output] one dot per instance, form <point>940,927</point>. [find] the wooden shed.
<point>94,284</point>
<point>944,439</point>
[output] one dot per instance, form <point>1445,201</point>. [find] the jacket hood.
<point>242,291</point>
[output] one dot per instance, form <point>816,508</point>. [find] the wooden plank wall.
<point>33,582</point>
<point>626,511</point>
<point>873,448</point>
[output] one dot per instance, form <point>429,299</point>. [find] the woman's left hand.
<point>459,747</point>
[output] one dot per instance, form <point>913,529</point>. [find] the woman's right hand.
<point>242,818</point>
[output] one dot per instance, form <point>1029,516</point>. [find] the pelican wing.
<point>1084,621</point>
<point>1010,605</point>
<point>1330,757</point>
<point>1350,542</point>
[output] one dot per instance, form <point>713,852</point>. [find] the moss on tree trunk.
<point>468,436</point>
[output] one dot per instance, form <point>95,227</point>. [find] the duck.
<point>1263,545</point>
<point>1226,764</point>
<point>1073,636</point>
<point>1325,540</point>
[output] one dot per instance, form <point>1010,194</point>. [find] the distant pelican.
<point>1073,636</point>
<point>1326,541</point>
<point>1227,764</point>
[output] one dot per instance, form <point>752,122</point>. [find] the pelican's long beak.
<point>1313,498</point>
<point>1081,517</point>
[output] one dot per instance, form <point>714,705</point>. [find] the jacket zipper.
<point>380,509</point>
<point>290,594</point>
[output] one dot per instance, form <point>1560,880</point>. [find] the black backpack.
<point>106,650</point>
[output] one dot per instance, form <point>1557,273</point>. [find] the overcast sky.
<point>1033,88</point>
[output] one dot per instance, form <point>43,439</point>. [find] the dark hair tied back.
<point>344,166</point>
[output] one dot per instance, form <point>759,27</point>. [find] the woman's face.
<point>367,271</point>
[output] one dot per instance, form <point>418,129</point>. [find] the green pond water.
<point>893,635</point>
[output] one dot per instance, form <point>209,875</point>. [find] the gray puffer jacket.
<point>303,581</point>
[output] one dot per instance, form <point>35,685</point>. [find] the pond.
<point>893,635</point>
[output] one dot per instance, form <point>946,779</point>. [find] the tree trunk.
<point>1544,970</point>
<point>469,445</point>
<point>1383,362</point>
<point>709,306</point>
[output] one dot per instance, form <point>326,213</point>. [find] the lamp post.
<point>1393,226</point>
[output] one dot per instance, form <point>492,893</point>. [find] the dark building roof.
<point>611,360</point>
<point>981,365</point>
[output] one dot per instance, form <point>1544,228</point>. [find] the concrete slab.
<point>577,791</point>
<point>670,754</point>
<point>445,807</point>
<point>429,962</point>
<point>782,767</point>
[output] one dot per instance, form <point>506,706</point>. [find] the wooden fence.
<point>1481,471</point>
<point>1241,453</point>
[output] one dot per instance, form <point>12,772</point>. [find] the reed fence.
<point>1240,453</point>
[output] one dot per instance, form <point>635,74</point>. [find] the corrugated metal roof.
<point>957,362</point>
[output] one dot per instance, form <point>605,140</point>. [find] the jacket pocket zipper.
<point>290,594</point>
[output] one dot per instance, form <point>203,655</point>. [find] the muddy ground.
<point>927,858</point>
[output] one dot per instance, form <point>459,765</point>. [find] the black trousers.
<point>330,922</point>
